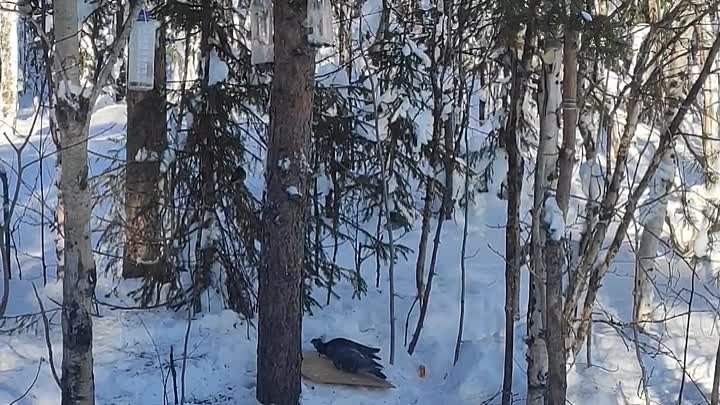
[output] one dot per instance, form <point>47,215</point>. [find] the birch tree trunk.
<point>72,113</point>
<point>545,177</point>
<point>711,106</point>
<point>8,65</point>
<point>652,232</point>
<point>665,144</point>
<point>556,329</point>
<point>147,137</point>
<point>77,383</point>
<point>59,211</point>
<point>592,173</point>
<point>280,279</point>
<point>659,192</point>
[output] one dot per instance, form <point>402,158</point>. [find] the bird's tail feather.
<point>367,349</point>
<point>378,373</point>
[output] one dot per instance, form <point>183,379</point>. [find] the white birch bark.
<point>545,177</point>
<point>652,231</point>
<point>8,65</point>
<point>550,117</point>
<point>711,104</point>
<point>71,112</point>
<point>658,196</point>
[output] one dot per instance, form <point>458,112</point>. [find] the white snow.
<point>324,185</point>
<point>208,233</point>
<point>145,155</point>
<point>284,164</point>
<point>261,23</point>
<point>592,177</point>
<point>553,218</point>
<point>168,158</point>
<point>293,191</point>
<point>142,155</point>
<point>218,70</point>
<point>320,22</point>
<point>68,90</point>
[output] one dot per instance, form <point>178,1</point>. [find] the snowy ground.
<point>132,348</point>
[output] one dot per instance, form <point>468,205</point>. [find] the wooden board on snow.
<point>321,370</point>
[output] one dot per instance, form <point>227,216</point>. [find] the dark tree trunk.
<point>205,136</point>
<point>569,115</point>
<point>280,278</point>
<point>449,138</point>
<point>557,380</point>
<point>147,128</point>
<point>511,139</point>
<point>715,393</point>
<point>424,236</point>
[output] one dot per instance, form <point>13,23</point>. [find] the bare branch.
<point>48,342</point>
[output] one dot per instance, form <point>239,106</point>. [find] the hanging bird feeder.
<point>261,31</point>
<point>141,58</point>
<point>320,21</point>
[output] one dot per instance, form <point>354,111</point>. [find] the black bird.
<point>329,347</point>
<point>350,356</point>
<point>351,360</point>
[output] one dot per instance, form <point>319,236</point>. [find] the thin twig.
<point>687,332</point>
<point>407,318</point>
<point>174,374</point>
<point>636,336</point>
<point>715,394</point>
<point>115,307</point>
<point>184,361</point>
<point>386,206</point>
<point>463,249</point>
<point>155,346</point>
<point>48,342</point>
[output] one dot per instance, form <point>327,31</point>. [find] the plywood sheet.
<point>321,370</point>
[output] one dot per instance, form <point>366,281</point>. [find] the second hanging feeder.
<point>141,55</point>
<point>261,32</point>
<point>320,22</point>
